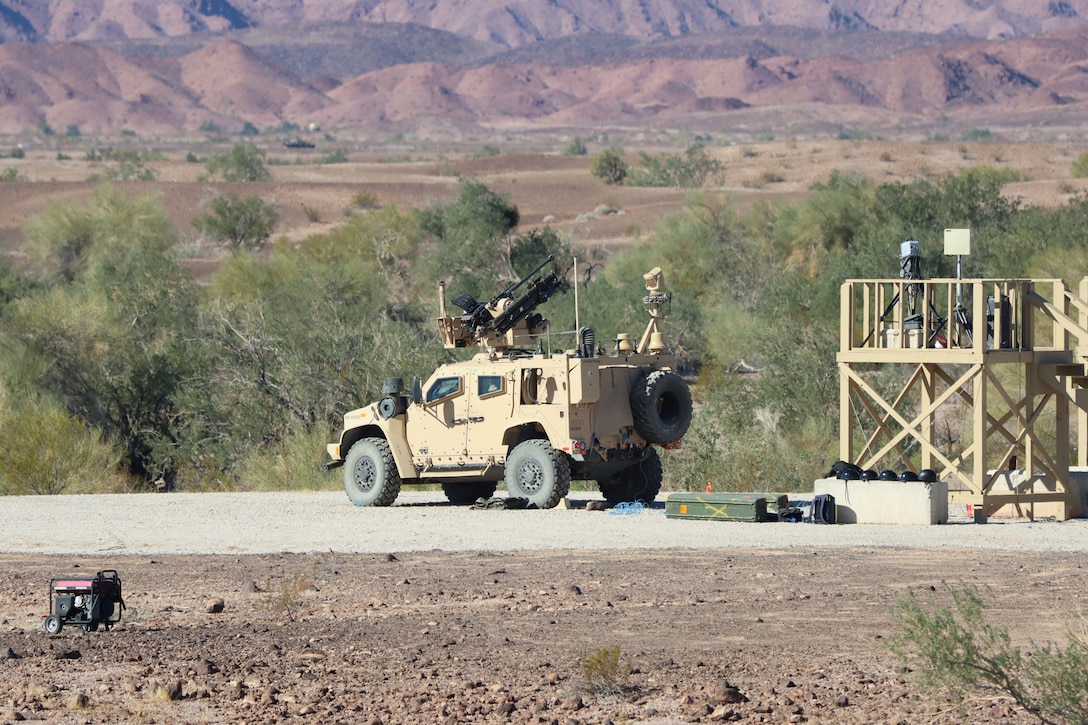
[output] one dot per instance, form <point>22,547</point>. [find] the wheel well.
<point>353,436</point>
<point>521,433</point>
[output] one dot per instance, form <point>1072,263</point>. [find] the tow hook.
<point>331,465</point>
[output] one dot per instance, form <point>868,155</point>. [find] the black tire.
<point>537,472</point>
<point>370,473</point>
<point>463,494</point>
<point>53,624</point>
<point>90,627</point>
<point>661,407</point>
<point>640,482</point>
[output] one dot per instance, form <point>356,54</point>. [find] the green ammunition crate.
<point>725,506</point>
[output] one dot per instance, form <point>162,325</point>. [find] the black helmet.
<point>887,475</point>
<point>848,474</point>
<point>868,475</point>
<point>928,475</point>
<point>908,476</point>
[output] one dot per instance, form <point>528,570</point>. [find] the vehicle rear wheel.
<point>463,494</point>
<point>640,482</point>
<point>370,473</point>
<point>53,625</point>
<point>537,472</point>
<point>661,407</point>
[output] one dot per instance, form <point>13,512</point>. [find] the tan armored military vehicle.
<point>520,414</point>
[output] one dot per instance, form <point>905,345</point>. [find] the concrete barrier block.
<point>887,502</point>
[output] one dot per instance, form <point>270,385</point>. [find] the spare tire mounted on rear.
<point>661,407</point>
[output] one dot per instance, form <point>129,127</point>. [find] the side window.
<point>443,388</point>
<point>488,385</point>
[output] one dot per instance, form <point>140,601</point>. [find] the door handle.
<point>476,419</point>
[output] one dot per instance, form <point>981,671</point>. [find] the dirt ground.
<point>484,637</point>
<point>549,188</point>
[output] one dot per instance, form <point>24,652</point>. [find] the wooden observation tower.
<point>981,380</point>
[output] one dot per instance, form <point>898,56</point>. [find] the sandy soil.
<point>715,621</point>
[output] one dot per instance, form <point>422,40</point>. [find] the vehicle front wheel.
<point>639,482</point>
<point>370,473</point>
<point>538,472</point>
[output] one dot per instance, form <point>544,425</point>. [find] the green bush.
<point>691,170</point>
<point>336,157</point>
<point>1079,169</point>
<point>244,162</point>
<point>603,672</point>
<point>241,223</point>
<point>954,647</point>
<point>609,167</point>
<point>292,464</point>
<point>46,451</point>
<point>576,147</point>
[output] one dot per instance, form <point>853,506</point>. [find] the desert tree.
<point>240,223</point>
<point>244,162</point>
<point>609,167</point>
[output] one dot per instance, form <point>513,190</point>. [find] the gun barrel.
<point>509,291</point>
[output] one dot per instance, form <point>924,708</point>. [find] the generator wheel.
<point>370,473</point>
<point>53,624</point>
<point>640,482</point>
<point>661,407</point>
<point>90,627</point>
<point>538,472</point>
<point>463,494</point>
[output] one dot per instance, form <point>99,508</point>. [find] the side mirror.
<point>417,391</point>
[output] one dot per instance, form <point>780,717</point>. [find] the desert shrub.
<point>576,147</point>
<point>853,134</point>
<point>291,464</point>
<point>284,597</point>
<point>365,199</point>
<point>1002,174</point>
<point>11,174</point>
<point>240,223</point>
<point>603,672</point>
<point>488,150</point>
<point>609,167</point>
<point>1079,168</point>
<point>955,647</point>
<point>17,153</point>
<point>244,162</point>
<point>977,134</point>
<point>693,169</point>
<point>468,235</point>
<point>248,129</point>
<point>336,157</point>
<point>47,451</point>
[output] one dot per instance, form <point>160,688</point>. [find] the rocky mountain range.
<point>170,66</point>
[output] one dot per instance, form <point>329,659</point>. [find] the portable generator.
<point>86,602</point>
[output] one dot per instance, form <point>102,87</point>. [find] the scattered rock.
<point>596,506</point>
<point>573,702</point>
<point>205,667</point>
<point>214,605</point>
<point>8,654</point>
<point>723,692</point>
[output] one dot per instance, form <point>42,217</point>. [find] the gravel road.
<point>262,523</point>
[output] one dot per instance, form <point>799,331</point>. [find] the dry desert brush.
<point>954,647</point>
<point>604,673</point>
